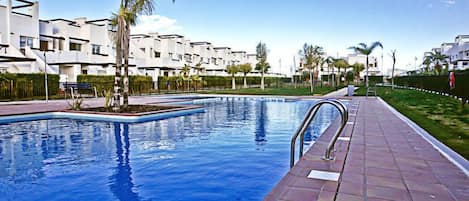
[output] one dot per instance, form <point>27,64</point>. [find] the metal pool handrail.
<point>307,121</point>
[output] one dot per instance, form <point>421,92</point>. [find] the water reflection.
<point>121,183</point>
<point>260,124</point>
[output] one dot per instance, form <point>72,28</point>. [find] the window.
<point>43,45</point>
<point>157,54</point>
<point>180,57</point>
<point>95,49</point>
<point>26,41</point>
<point>170,55</point>
<point>75,46</point>
<point>84,71</point>
<point>143,49</point>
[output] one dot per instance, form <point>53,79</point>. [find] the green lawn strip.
<point>290,91</point>
<point>441,116</point>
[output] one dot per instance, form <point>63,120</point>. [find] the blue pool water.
<point>237,150</point>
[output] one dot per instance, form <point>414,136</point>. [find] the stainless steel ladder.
<point>307,121</point>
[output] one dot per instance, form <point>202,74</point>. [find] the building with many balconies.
<point>73,47</point>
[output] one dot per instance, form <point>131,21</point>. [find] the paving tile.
<point>300,195</point>
<point>381,172</point>
<point>347,197</point>
<point>387,193</point>
<point>428,196</point>
<point>351,188</point>
<point>385,182</point>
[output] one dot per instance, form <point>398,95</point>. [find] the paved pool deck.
<point>385,159</point>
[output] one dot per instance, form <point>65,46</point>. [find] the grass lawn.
<point>441,116</point>
<point>286,91</point>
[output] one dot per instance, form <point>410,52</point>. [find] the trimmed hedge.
<point>15,86</point>
<point>438,83</point>
<point>137,84</point>
<point>219,82</point>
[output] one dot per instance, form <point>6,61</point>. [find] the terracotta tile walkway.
<point>385,160</point>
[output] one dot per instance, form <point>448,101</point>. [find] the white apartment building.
<point>17,42</point>
<point>457,52</point>
<point>81,46</point>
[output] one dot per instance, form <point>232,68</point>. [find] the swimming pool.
<point>238,149</point>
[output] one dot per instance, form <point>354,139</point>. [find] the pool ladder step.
<point>307,121</point>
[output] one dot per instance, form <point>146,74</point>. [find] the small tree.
<point>312,58</point>
<point>245,69</point>
<point>340,63</point>
<point>357,68</point>
<point>262,64</point>
<point>349,77</point>
<point>232,70</point>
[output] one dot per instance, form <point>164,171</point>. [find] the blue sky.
<point>410,26</point>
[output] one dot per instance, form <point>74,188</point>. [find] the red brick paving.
<point>385,160</point>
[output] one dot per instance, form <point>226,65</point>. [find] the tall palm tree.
<point>262,64</point>
<point>438,60</point>
<point>393,56</point>
<point>125,18</point>
<point>357,68</point>
<point>118,20</point>
<point>365,49</point>
<point>232,70</point>
<point>245,69</point>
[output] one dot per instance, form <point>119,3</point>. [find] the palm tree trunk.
<point>245,81</point>
<point>117,78</point>
<point>311,80</point>
<point>392,74</point>
<point>338,76</point>
<point>366,76</point>
<point>233,82</point>
<point>126,65</point>
<point>262,79</point>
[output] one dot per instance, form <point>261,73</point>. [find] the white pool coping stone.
<point>98,117</point>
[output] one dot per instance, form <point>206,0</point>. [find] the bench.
<point>75,88</point>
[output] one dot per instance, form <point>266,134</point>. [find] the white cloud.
<point>448,2</point>
<point>156,23</point>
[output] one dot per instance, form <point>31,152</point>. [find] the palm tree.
<point>262,64</point>
<point>245,69</point>
<point>364,49</point>
<point>340,63</point>
<point>393,56</point>
<point>438,60</point>
<point>312,58</point>
<point>125,18</point>
<point>232,70</point>
<point>185,70</point>
<point>427,62</point>
<point>330,65</point>
<point>357,68</point>
<point>185,75</point>
<point>199,68</point>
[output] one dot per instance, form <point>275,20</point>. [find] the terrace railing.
<point>307,121</point>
